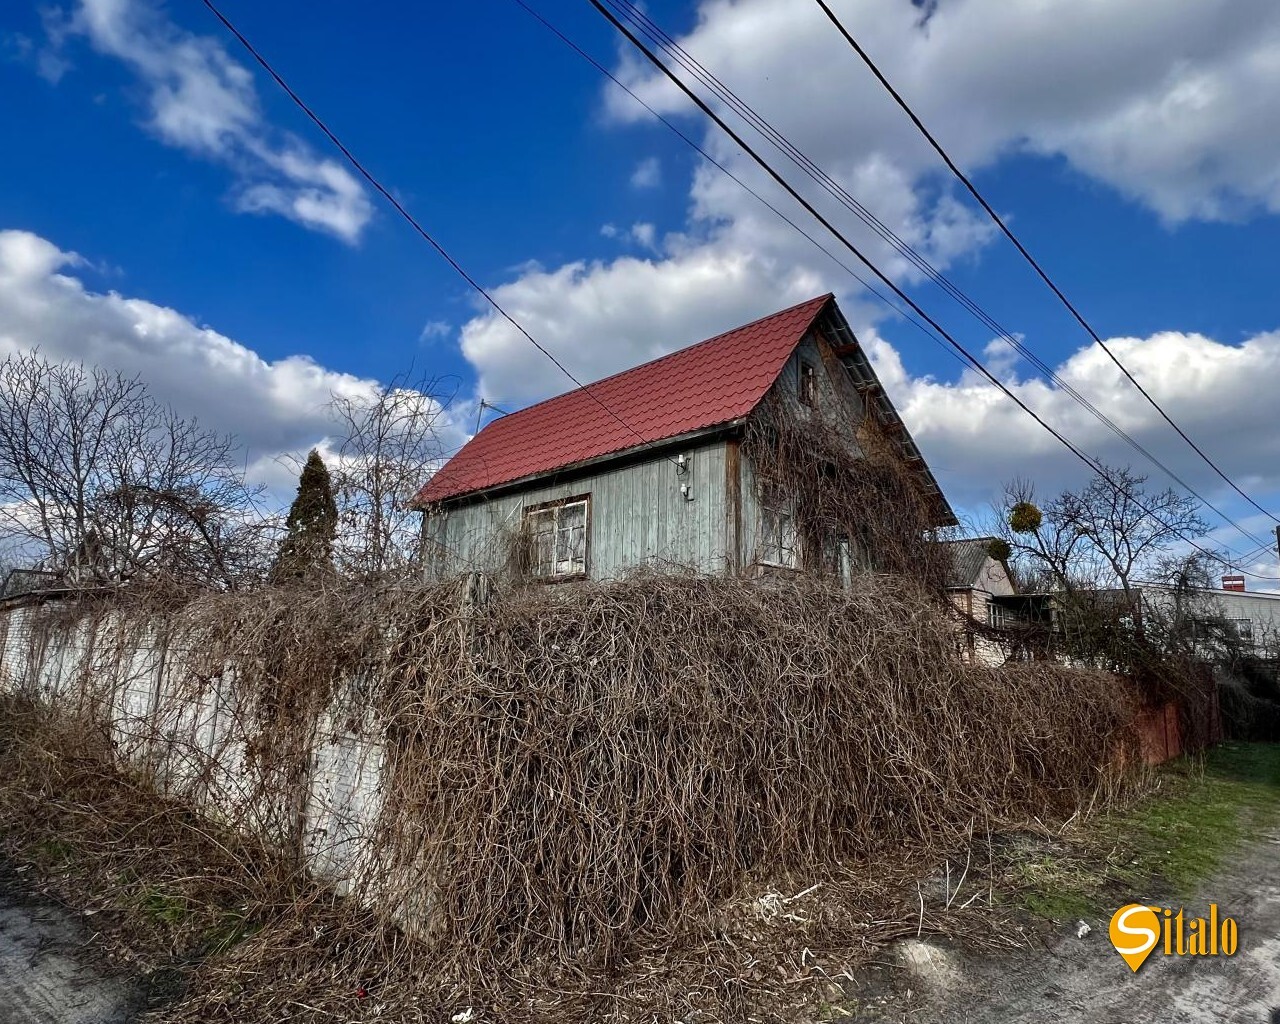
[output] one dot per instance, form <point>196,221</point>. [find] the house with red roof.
<point>646,467</point>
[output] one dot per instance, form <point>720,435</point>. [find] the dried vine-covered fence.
<point>555,770</point>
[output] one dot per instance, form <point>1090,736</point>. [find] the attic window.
<point>808,385</point>
<point>559,538</point>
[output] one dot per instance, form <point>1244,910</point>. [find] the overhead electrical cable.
<point>724,169</point>
<point>1026,254</point>
<point>708,79</point>
<point>1065,386</point>
<point>412,221</point>
<point>973,361</point>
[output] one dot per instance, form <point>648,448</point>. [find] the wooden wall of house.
<point>837,401</point>
<point>638,515</point>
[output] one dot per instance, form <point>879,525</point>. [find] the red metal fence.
<point>1168,730</point>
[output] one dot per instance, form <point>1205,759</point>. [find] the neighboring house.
<point>977,582</point>
<point>1212,619</point>
<point>1254,618</point>
<point>647,467</point>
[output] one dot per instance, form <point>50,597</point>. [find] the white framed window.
<point>1243,628</point>
<point>778,542</point>
<point>999,616</point>
<point>558,532</point>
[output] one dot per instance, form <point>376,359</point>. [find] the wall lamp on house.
<point>684,468</point>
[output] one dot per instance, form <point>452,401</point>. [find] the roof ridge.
<point>657,359</point>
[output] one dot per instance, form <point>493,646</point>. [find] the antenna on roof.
<point>487,405</point>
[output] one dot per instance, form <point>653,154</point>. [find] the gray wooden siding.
<point>837,401</point>
<point>638,516</point>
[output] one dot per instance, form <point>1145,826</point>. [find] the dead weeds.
<point>667,796</point>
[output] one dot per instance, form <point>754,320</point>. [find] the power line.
<point>412,221</point>
<point>665,42</point>
<point>692,143</point>
<point>457,267</point>
<point>902,295</point>
<point>1022,249</point>
<point>1065,386</point>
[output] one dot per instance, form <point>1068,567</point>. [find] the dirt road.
<point>1084,980</point>
<point>45,975</point>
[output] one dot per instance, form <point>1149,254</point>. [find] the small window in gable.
<point>808,384</point>
<point>559,538</point>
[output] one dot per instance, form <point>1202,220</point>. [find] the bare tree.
<point>1109,534</point>
<point>101,483</point>
<point>1093,548</point>
<point>390,444</point>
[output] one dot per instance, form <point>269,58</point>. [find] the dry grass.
<point>602,802</point>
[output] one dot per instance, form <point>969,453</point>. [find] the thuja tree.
<point>307,546</point>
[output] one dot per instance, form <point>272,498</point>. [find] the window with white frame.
<point>559,538</point>
<point>1243,629</point>
<point>778,542</point>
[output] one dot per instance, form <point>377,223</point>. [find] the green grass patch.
<point>232,929</point>
<point>53,854</point>
<point>1166,844</point>
<point>164,907</point>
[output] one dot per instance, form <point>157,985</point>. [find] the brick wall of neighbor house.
<point>637,515</point>
<point>992,581</point>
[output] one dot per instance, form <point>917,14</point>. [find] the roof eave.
<point>575,468</point>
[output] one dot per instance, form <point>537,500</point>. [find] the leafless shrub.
<point>847,485</point>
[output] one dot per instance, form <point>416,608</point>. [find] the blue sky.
<point>166,209</point>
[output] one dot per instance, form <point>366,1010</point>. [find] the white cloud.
<point>735,261</point>
<point>433,330</point>
<point>645,235</point>
<point>648,173</point>
<point>975,438</point>
<point>274,408</point>
<point>202,101</point>
<point>48,60</point>
<point>599,317</point>
<point>1173,103</point>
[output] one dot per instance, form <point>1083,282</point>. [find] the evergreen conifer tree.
<point>312,524</point>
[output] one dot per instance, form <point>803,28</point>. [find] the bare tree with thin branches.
<point>389,445</point>
<point>1103,536</point>
<point>101,483</point>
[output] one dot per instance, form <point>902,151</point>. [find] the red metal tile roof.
<point>713,382</point>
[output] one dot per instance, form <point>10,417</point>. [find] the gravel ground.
<point>1082,980</point>
<point>46,974</point>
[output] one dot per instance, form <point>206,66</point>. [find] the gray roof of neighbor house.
<point>968,556</point>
